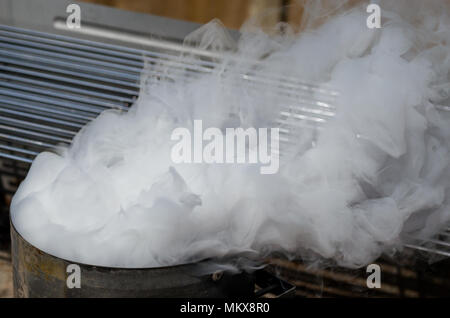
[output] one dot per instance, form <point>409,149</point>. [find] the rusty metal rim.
<point>13,229</point>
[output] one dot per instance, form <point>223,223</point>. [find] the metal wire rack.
<point>52,85</point>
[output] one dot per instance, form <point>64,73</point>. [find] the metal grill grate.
<point>51,85</point>
<point>438,245</point>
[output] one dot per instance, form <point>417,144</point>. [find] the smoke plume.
<point>348,190</point>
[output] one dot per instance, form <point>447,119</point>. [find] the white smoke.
<point>348,192</point>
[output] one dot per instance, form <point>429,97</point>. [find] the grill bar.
<point>49,65</point>
<point>50,100</point>
<point>60,87</point>
<point>71,115</point>
<point>57,94</point>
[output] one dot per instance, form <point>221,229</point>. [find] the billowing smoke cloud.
<point>348,192</point>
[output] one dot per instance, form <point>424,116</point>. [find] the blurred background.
<point>233,13</point>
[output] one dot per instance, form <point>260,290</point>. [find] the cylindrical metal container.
<point>38,274</point>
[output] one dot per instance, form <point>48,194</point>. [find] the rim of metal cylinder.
<point>16,232</point>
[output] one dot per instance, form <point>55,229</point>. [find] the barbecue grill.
<point>54,80</point>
